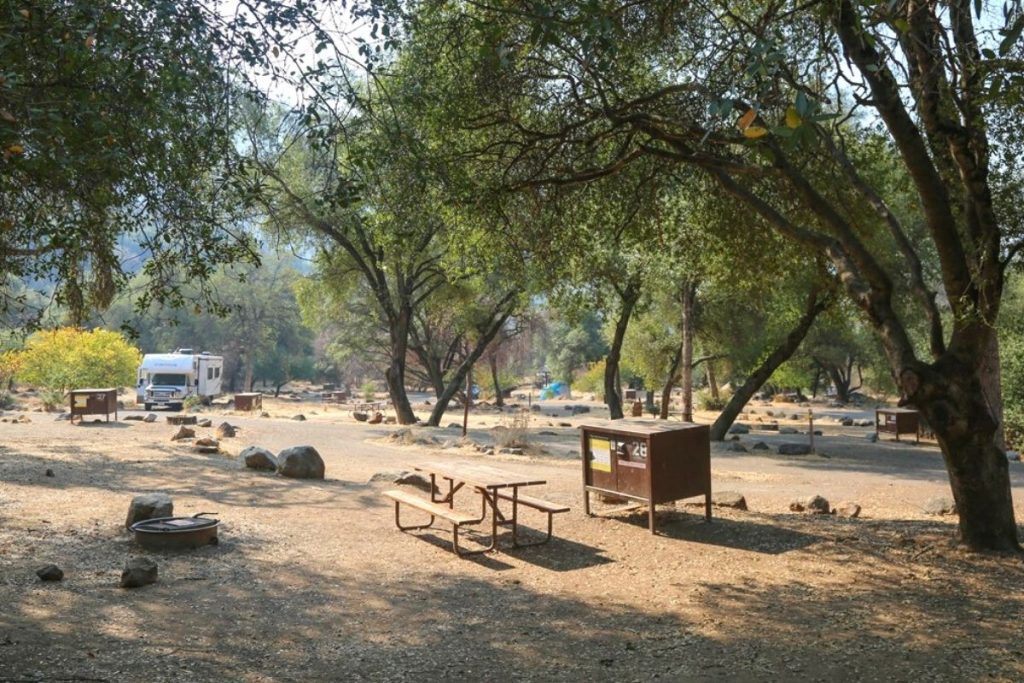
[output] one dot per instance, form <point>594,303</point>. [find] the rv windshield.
<point>169,379</point>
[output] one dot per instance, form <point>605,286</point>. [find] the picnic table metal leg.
<point>486,499</point>
<point>398,521</point>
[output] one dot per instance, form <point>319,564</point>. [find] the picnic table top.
<point>483,476</point>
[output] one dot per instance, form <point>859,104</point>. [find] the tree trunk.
<point>689,294</point>
<point>990,375</point>
<point>670,383</point>
<point>612,388</point>
<point>455,384</point>
<point>840,382</point>
<point>249,374</point>
<point>950,396</point>
<point>712,381</point>
<point>394,376</point>
<point>757,378</point>
<point>499,400</point>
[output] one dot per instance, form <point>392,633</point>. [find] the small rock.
<point>376,419</point>
<point>736,447</point>
<point>257,458</point>
<point>760,446</point>
<point>547,433</point>
<point>226,430</point>
<point>817,505</point>
<point>23,419</point>
<point>454,425</point>
<point>360,417</point>
<point>299,418</point>
<point>788,430</point>
<point>49,472</point>
<point>769,413</point>
<point>207,444</point>
<point>126,418</point>
<point>846,421</point>
<point>205,422</point>
<point>794,417</point>
<point>264,414</point>
<point>734,437</point>
<point>184,433</point>
<point>511,451</point>
<point>942,505</point>
<point>149,506</point>
<point>390,476</point>
<point>150,417</point>
<point>848,509</point>
<point>414,479</point>
<point>300,462</point>
<point>729,499</point>
<point>872,437</point>
<point>739,429</point>
<point>863,423</point>
<point>565,424</point>
<point>794,449</point>
<point>138,571</point>
<point>50,572</point>
<point>770,427</point>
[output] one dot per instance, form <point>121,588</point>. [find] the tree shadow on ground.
<point>772,536</point>
<point>173,469</point>
<point>221,614</point>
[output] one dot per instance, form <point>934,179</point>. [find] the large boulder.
<point>138,571</point>
<point>300,462</point>
<point>149,506</point>
<point>257,458</point>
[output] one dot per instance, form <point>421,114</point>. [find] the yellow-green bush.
<point>592,381</point>
<point>69,358</point>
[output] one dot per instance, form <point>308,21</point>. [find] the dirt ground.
<point>312,582</point>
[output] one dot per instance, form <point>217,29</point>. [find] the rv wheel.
<point>149,407</point>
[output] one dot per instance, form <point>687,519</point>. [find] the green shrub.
<point>592,381</point>
<point>52,399</point>
<point>191,403</point>
<point>369,390</point>
<point>703,400</point>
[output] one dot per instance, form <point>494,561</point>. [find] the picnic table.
<point>898,421</point>
<point>492,484</point>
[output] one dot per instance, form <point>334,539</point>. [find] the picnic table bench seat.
<point>456,518</point>
<point>550,508</point>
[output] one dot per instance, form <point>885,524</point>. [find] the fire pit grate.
<point>175,533</point>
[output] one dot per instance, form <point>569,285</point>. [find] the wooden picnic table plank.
<point>482,476</point>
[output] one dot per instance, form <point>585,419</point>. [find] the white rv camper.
<point>167,379</point>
